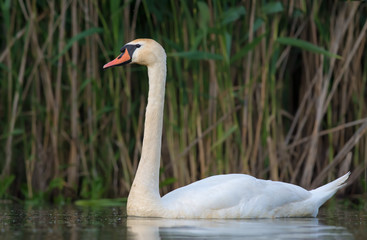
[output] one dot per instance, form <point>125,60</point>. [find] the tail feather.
<point>323,193</point>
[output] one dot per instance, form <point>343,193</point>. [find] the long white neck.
<point>145,189</point>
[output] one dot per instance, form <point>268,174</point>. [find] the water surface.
<point>72,222</point>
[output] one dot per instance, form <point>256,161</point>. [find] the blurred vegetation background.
<point>275,89</point>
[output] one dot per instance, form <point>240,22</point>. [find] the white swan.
<point>221,196</point>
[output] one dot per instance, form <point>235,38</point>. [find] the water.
<point>71,222</point>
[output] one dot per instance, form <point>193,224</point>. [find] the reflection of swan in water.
<point>221,196</point>
<point>280,228</point>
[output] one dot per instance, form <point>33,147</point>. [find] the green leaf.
<point>104,110</point>
<point>167,182</point>
<point>76,38</point>
<point>196,55</point>
<point>224,137</point>
<point>228,42</point>
<point>272,7</point>
<point>5,184</point>
<point>306,46</point>
<point>17,131</point>
<point>56,183</point>
<point>5,9</point>
<point>204,15</point>
<point>247,48</point>
<point>83,85</point>
<point>232,14</point>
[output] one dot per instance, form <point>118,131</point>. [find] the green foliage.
<point>5,184</point>
<point>167,182</point>
<point>272,7</point>
<point>307,46</point>
<point>222,137</point>
<point>76,38</point>
<point>116,202</point>
<point>196,55</point>
<point>38,199</point>
<point>249,47</point>
<point>92,189</point>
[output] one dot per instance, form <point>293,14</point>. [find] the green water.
<point>72,222</point>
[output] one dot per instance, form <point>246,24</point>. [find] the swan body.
<point>220,196</point>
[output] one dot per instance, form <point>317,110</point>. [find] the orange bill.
<point>123,58</point>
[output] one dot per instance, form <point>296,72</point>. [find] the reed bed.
<point>276,89</point>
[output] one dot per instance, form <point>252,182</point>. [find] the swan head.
<point>140,51</point>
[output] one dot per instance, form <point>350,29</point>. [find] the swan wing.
<point>236,195</point>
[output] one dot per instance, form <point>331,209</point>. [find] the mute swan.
<point>221,196</point>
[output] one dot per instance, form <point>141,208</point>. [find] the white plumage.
<point>221,196</point>
<point>243,196</point>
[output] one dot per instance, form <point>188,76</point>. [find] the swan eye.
<point>137,45</point>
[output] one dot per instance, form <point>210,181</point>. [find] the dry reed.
<point>274,89</point>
